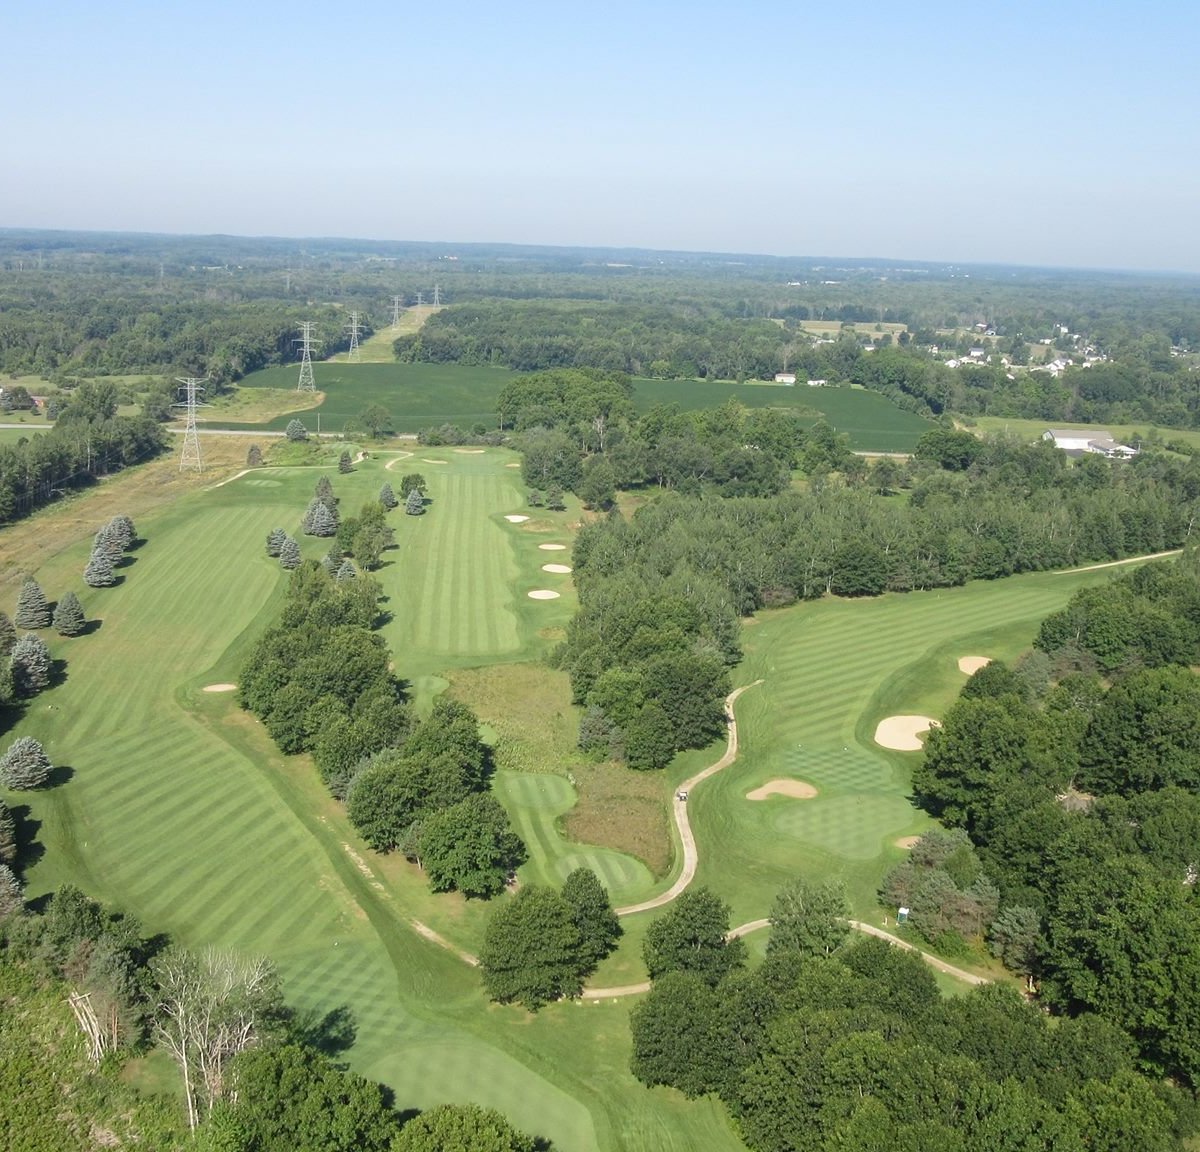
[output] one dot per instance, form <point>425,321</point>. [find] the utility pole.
<point>306,341</point>
<point>190,386</point>
<point>352,328</point>
<point>437,296</point>
<point>396,311</point>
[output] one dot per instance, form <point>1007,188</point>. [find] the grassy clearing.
<point>1123,433</point>
<point>259,405</point>
<point>833,328</point>
<point>378,349</point>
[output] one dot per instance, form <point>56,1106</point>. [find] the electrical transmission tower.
<point>420,299</point>
<point>189,385</point>
<point>396,311</point>
<point>306,341</point>
<point>353,329</point>
<point>437,296</point>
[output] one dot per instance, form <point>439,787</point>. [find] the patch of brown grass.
<point>529,707</point>
<point>26,544</point>
<point>251,405</point>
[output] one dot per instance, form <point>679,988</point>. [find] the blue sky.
<point>1053,133</point>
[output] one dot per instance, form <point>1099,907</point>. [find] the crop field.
<point>417,395</point>
<point>423,395</point>
<point>179,809</point>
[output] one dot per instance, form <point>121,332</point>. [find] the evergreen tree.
<point>345,464</point>
<point>32,609</point>
<point>25,765</point>
<point>387,497</point>
<point>8,634</point>
<point>122,527</point>
<point>275,539</point>
<point>12,894</point>
<point>414,503</point>
<point>332,560</point>
<point>99,572</point>
<point>319,520</point>
<point>289,554</point>
<point>254,457</point>
<point>8,835</point>
<point>346,571</point>
<point>324,492</point>
<point>29,665</point>
<point>68,616</point>
<point>554,499</point>
<point>296,431</point>
<point>108,544</point>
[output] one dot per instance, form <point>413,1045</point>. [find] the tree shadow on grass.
<point>333,1033</point>
<point>29,850</point>
<point>91,627</point>
<point>59,774</point>
<point>58,675</point>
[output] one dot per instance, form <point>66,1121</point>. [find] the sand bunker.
<point>220,687</point>
<point>796,789</point>
<point>907,841</point>
<point>514,465</point>
<point>562,568</point>
<point>553,547</point>
<point>426,460</point>
<point>470,451</point>
<point>543,594</point>
<point>901,733</point>
<point>516,519</point>
<point>969,665</point>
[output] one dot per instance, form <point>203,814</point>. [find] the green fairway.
<point>425,395</point>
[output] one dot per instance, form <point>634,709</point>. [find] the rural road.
<point>683,823</point>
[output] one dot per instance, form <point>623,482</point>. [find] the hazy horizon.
<point>1028,138</point>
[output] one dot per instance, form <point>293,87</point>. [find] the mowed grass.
<point>830,671</point>
<point>180,811</point>
<point>424,395</point>
<point>1130,434</point>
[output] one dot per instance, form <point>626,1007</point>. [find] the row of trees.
<point>851,1046</point>
<point>1079,796</point>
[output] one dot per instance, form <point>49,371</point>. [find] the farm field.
<point>1124,433</point>
<point>423,395</point>
<point>180,810</point>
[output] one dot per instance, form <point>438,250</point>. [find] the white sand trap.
<point>907,841</point>
<point>220,687</point>
<point>426,460</point>
<point>543,594</point>
<point>471,451</point>
<point>561,568</point>
<point>553,547</point>
<point>796,789</point>
<point>901,733</point>
<point>514,465</point>
<point>516,519</point>
<point>969,665</point>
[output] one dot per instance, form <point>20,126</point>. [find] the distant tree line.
<point>88,440</point>
<point>1076,775</point>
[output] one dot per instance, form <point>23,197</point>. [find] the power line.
<point>396,311</point>
<point>191,439</point>
<point>420,299</point>
<point>307,383</point>
<point>352,328</point>
<point>437,296</point>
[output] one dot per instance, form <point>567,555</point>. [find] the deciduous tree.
<point>593,915</point>
<point>692,936</point>
<point>809,917</point>
<point>465,1127</point>
<point>471,847</point>
<point>533,951</point>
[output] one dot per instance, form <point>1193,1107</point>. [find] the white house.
<point>1078,441</point>
<point>785,377</point>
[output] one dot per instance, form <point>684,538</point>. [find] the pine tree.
<point>319,520</point>
<point>345,464</point>
<point>69,619</point>
<point>8,634</point>
<point>346,571</point>
<point>332,560</point>
<point>99,572</point>
<point>275,539</point>
<point>29,664</point>
<point>387,497</point>
<point>8,835</point>
<point>414,503</point>
<point>25,765</point>
<point>12,895</point>
<point>108,544</point>
<point>122,527</point>
<point>324,492</point>
<point>32,609</point>
<point>296,431</point>
<point>289,554</point>
<point>254,457</point>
